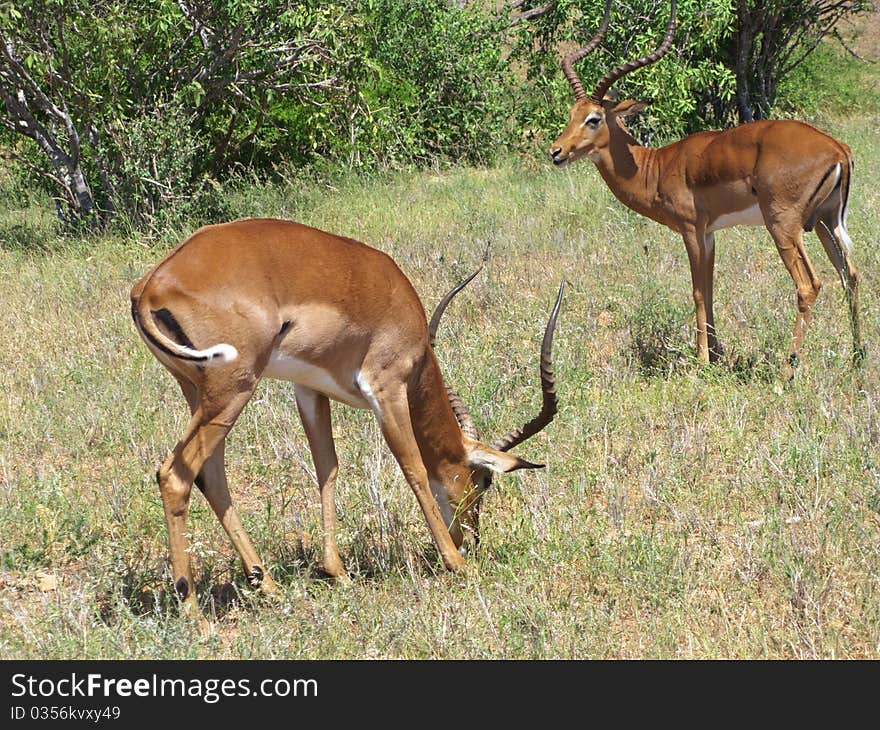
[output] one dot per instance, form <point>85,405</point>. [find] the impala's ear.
<point>629,107</point>
<point>481,456</point>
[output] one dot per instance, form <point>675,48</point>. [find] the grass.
<point>684,511</point>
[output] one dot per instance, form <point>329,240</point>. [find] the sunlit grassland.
<point>685,511</point>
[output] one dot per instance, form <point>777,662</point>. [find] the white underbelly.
<point>283,367</point>
<point>747,217</point>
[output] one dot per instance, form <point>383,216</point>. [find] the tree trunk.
<point>30,111</point>
<point>745,39</point>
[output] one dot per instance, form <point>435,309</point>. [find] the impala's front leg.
<point>709,280</point>
<point>698,260</point>
<point>392,411</point>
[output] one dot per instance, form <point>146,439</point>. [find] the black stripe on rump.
<point>164,317</point>
<point>811,221</point>
<point>173,327</point>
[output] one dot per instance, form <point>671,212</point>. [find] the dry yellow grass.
<point>686,512</point>
<point>696,513</point>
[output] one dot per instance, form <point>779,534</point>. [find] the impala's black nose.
<point>556,156</point>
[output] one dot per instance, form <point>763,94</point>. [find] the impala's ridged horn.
<point>630,66</point>
<point>462,415</point>
<point>569,61</point>
<point>458,407</point>
<point>548,388</point>
<point>443,303</point>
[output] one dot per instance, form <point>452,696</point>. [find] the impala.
<point>240,301</point>
<point>785,175</point>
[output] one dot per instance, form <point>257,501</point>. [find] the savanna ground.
<point>685,511</point>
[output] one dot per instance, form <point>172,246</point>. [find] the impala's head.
<point>592,117</point>
<point>588,131</point>
<point>465,491</point>
<point>466,484</point>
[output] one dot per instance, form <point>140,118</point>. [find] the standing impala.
<point>784,175</point>
<point>269,298</point>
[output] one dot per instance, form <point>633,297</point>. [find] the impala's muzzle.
<point>556,156</point>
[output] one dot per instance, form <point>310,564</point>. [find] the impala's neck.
<point>630,171</point>
<point>440,440</point>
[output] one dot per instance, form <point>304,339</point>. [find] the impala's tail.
<point>846,176</point>
<point>831,229</point>
<point>184,348</point>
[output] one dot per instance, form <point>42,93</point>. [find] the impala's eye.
<point>592,121</point>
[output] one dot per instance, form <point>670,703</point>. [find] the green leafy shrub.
<point>160,104</point>
<point>684,86</point>
<point>429,84</point>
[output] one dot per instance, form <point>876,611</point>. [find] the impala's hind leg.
<point>211,480</point>
<point>314,411</point>
<point>832,232</point>
<point>216,412</point>
<point>790,244</point>
<point>715,349</point>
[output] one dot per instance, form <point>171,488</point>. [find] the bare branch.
<point>206,34</point>
<point>532,13</point>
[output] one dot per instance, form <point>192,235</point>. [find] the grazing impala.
<point>784,175</point>
<point>269,298</point>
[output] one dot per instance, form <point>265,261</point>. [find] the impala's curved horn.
<point>620,71</point>
<point>462,415</point>
<point>443,303</point>
<point>569,61</point>
<point>548,388</point>
<point>468,428</point>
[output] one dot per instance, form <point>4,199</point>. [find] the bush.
<point>150,106</point>
<point>127,112</point>
<point>429,84</point>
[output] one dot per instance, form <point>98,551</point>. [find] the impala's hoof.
<point>260,580</point>
<point>267,585</point>
<point>182,588</point>
<point>454,562</point>
<point>336,572</point>
<point>788,369</point>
